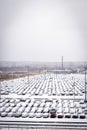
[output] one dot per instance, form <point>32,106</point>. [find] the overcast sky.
<point>43,30</point>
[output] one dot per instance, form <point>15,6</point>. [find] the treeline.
<point>20,69</point>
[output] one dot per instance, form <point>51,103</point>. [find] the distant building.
<point>61,71</point>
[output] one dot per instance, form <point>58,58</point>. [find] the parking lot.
<point>44,98</point>
<point>45,84</point>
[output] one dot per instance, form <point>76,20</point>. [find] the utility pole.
<point>62,63</point>
<point>45,71</point>
<point>28,74</point>
<point>0,90</point>
<point>73,85</point>
<point>56,70</point>
<point>74,89</point>
<point>85,86</point>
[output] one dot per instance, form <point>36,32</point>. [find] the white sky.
<point>43,30</point>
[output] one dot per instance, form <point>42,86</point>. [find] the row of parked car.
<point>47,84</point>
<point>42,108</point>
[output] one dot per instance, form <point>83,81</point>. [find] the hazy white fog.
<point>43,30</point>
